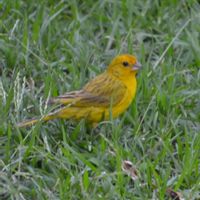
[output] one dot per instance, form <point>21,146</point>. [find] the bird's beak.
<point>136,66</point>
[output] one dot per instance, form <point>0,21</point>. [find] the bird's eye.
<point>125,64</point>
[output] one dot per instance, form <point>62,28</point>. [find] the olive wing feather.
<point>102,91</point>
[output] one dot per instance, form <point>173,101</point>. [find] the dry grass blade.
<point>130,169</point>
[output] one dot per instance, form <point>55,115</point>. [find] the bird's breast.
<point>127,98</point>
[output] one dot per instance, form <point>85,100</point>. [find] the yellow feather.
<point>109,92</point>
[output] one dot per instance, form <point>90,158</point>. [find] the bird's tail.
<point>31,122</point>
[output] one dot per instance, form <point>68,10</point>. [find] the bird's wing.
<point>102,91</point>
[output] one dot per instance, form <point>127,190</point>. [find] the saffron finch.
<point>109,93</point>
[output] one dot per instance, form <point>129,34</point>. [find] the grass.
<point>50,47</point>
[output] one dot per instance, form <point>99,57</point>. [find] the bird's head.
<point>124,66</point>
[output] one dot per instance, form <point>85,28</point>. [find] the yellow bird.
<point>108,94</point>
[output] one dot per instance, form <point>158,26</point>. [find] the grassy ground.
<point>50,47</point>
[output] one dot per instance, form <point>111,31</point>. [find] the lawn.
<point>51,47</point>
